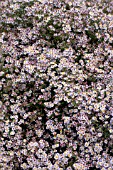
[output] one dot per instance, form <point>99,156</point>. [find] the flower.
<point>56,166</point>
<point>66,119</point>
<point>29,49</point>
<point>35,168</point>
<point>12,133</point>
<point>78,166</point>
<point>39,132</point>
<point>66,28</point>
<point>55,146</point>
<point>57,156</point>
<point>24,165</point>
<point>98,148</point>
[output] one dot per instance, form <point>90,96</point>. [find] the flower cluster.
<point>56,99</point>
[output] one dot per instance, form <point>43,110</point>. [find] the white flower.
<point>99,134</point>
<point>29,49</point>
<point>49,104</point>
<point>70,3</point>
<point>86,144</point>
<point>24,151</point>
<point>24,165</point>
<point>97,148</point>
<point>15,6</point>
<point>35,168</point>
<point>12,133</point>
<point>57,156</point>
<point>55,146</point>
<point>66,119</point>
<point>6,129</point>
<point>56,166</point>
<point>78,166</point>
<point>47,19</point>
<point>1,73</point>
<point>11,153</point>
<point>67,28</point>
<point>91,13</point>
<point>28,67</point>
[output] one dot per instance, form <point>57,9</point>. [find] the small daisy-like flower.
<point>106,165</point>
<point>24,165</point>
<point>49,104</point>
<point>103,108</point>
<point>42,144</point>
<point>99,134</point>
<point>91,13</point>
<point>12,133</point>
<point>78,166</point>
<point>55,146</point>
<point>66,119</point>
<point>29,49</point>
<point>39,133</point>
<point>67,28</point>
<point>11,153</point>
<point>6,129</point>
<point>86,144</point>
<point>35,168</point>
<point>47,19</point>
<point>96,107</point>
<point>110,168</point>
<point>103,168</point>
<point>57,156</point>
<point>97,148</point>
<point>81,131</point>
<point>56,166</point>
